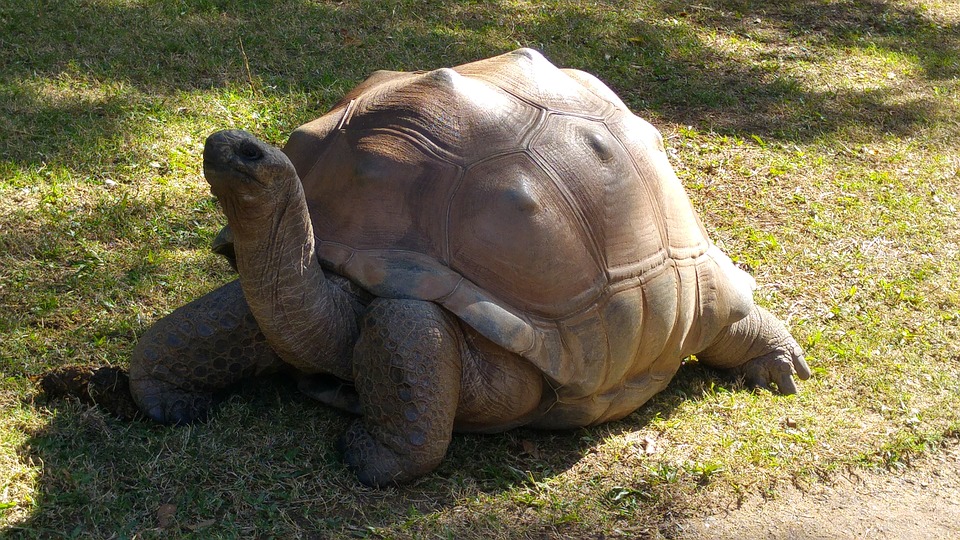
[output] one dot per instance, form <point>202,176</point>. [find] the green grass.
<point>818,139</point>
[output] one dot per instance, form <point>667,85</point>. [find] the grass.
<point>818,139</point>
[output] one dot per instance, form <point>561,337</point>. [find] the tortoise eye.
<point>249,152</point>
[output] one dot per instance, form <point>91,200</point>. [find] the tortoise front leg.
<point>407,371</point>
<point>185,358</point>
<point>760,348</point>
<point>419,376</point>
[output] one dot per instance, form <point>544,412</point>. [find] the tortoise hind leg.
<point>187,357</point>
<point>760,348</point>
<point>499,390</point>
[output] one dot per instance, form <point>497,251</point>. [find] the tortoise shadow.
<point>266,460</point>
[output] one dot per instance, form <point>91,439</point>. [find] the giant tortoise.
<point>471,249</point>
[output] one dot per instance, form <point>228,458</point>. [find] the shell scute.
<point>447,113</point>
<point>554,90</point>
<point>512,232</point>
<point>371,195</point>
<point>614,207</point>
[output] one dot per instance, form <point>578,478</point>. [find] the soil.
<point>920,502</point>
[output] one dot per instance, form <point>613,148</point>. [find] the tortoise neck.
<point>307,320</point>
<point>279,248</point>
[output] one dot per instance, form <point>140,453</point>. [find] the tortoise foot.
<point>200,350</point>
<point>776,369</point>
<point>374,463</point>
<point>760,349</point>
<point>168,404</point>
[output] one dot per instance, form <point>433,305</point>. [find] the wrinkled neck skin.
<point>308,320</point>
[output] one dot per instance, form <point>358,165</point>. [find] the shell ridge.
<point>418,139</point>
<point>596,253</point>
<point>640,269</point>
<point>657,203</point>
<point>448,212</point>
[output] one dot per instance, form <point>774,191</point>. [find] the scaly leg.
<point>185,358</point>
<point>407,371</point>
<point>419,375</point>
<point>760,348</point>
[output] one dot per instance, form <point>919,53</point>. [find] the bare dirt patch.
<point>922,502</point>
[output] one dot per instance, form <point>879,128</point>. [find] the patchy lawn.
<point>818,139</point>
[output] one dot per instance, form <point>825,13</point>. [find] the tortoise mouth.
<point>233,155</point>
<point>225,176</point>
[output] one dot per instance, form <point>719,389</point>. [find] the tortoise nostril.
<point>249,152</point>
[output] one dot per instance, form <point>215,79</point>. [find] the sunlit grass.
<point>818,140</point>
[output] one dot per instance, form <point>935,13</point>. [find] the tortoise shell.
<point>531,203</point>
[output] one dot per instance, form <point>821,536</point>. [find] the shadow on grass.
<point>888,27</point>
<point>266,464</point>
<point>672,65</point>
<point>76,76</point>
<point>75,275</point>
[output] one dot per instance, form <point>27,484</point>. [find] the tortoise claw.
<point>374,463</point>
<point>167,404</point>
<point>776,368</point>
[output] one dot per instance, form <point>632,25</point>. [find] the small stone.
<point>649,445</point>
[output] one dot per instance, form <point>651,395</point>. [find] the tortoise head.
<point>247,175</point>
